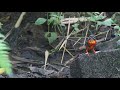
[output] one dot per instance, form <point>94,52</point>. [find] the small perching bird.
<point>90,44</point>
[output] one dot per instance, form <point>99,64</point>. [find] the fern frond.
<point>4,56</point>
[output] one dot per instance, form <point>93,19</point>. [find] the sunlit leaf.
<point>40,21</point>
<point>2,70</point>
<point>1,35</point>
<point>116,27</point>
<point>108,22</point>
<point>5,64</point>
<point>75,25</point>
<point>76,29</point>
<point>92,18</point>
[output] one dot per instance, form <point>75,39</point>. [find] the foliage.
<point>4,56</point>
<point>88,23</point>
<point>75,27</point>
<point>51,36</point>
<point>107,22</point>
<point>54,20</point>
<point>40,21</point>
<point>94,17</point>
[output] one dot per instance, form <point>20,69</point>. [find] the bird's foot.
<point>87,54</point>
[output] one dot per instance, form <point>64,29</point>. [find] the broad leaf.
<point>75,25</point>
<point>51,36</point>
<point>1,35</point>
<point>108,22</point>
<point>76,29</point>
<point>40,21</point>
<point>116,27</point>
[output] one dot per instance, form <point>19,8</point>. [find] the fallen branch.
<point>16,25</point>
<point>20,20</point>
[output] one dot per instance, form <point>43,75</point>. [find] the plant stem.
<point>59,29</point>
<point>86,34</point>
<point>48,28</point>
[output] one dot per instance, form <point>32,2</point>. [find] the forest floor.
<point>28,47</point>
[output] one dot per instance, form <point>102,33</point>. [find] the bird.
<point>90,44</point>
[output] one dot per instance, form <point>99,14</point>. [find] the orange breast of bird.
<point>91,44</point>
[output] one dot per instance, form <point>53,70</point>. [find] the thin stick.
<point>107,34</point>
<point>69,37</point>
<point>8,34</point>
<point>86,35</point>
<point>59,43</point>
<point>20,20</point>
<point>63,55</point>
<point>16,25</point>
<point>68,52</point>
<point>77,41</point>
<point>65,42</point>
<point>67,63</point>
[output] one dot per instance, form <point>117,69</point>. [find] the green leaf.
<point>100,17</point>
<point>56,21</point>
<point>51,36</point>
<point>4,58</point>
<point>61,17</point>
<point>116,27</point>
<point>1,35</point>
<point>75,25</point>
<point>40,21</point>
<point>51,20</point>
<point>92,18</point>
<point>108,22</point>
<point>76,29</point>
<point>99,23</point>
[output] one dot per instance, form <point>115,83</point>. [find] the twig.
<point>86,35</point>
<point>70,37</point>
<point>107,34</point>
<point>77,41</point>
<point>68,51</point>
<point>66,41</point>
<point>8,33</point>
<point>67,63</point>
<point>20,20</point>
<point>59,43</point>
<point>16,25</point>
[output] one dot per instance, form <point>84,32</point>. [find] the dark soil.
<point>28,47</point>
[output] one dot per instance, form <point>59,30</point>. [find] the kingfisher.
<point>90,44</point>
